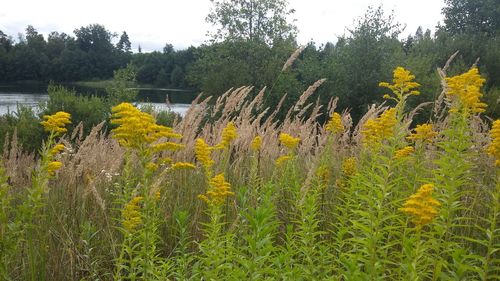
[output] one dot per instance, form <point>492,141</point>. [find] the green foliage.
<point>88,110</point>
<point>120,89</point>
<point>24,124</point>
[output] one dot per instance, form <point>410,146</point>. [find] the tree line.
<point>250,43</point>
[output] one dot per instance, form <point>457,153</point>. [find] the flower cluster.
<point>256,143</point>
<point>403,84</point>
<point>203,153</point>
<point>424,133</point>
<point>183,165</point>
<point>282,159</point>
<point>228,135</point>
<point>131,214</point>
<point>55,124</point>
<point>376,130</point>
<point>138,130</point>
<point>335,125</point>
<point>53,166</point>
<point>466,89</point>
<point>494,147</point>
<point>421,206</point>
<point>403,152</point>
<point>289,141</point>
<point>218,191</point>
<point>349,166</point>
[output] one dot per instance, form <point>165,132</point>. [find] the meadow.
<point>230,192</point>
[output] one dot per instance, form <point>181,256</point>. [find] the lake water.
<point>180,101</point>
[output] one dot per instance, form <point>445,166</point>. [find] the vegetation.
<point>246,197</point>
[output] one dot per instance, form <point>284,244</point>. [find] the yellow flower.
<point>56,123</point>
<point>282,159</point>
<point>423,132</point>
<point>403,152</point>
<point>183,165</point>
<point>335,124</point>
<point>53,167</point>
<point>289,141</point>
<point>203,153</point>
<point>376,130</point>
<point>465,89</point>
<point>349,166</point>
<point>256,143</point>
<point>138,130</point>
<point>228,135</point>
<point>494,147</point>
<point>131,214</point>
<point>421,206</point>
<point>57,149</point>
<point>218,191</point>
<point>151,166</point>
<point>403,84</point>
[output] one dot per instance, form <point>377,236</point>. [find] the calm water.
<point>10,98</point>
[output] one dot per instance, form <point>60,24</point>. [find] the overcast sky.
<point>152,23</point>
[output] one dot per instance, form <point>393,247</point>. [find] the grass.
<point>335,207</point>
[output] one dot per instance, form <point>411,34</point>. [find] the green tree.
<point>261,20</point>
<point>124,44</point>
<point>472,16</point>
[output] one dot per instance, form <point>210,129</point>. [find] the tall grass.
<point>244,196</point>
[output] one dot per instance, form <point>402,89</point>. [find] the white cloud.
<point>152,23</point>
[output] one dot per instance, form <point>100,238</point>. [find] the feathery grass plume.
<point>424,133</point>
<point>292,58</point>
<point>289,141</point>
<point>131,214</point>
<point>494,147</point>
<point>403,152</point>
<point>335,125</point>
<point>138,130</point>
<point>465,91</point>
<point>228,135</point>
<point>218,191</point>
<point>376,130</point>
<point>256,143</point>
<point>421,206</point>
<point>56,123</point>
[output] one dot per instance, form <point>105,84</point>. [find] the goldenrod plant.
<point>239,195</point>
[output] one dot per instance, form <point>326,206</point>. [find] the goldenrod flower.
<point>151,166</point>
<point>256,143</point>
<point>57,149</point>
<point>138,130</point>
<point>56,123</point>
<point>323,173</point>
<point>53,166</point>
<point>424,133</point>
<point>403,84</point>
<point>219,190</point>
<point>203,153</point>
<point>466,89</point>
<point>289,141</point>
<point>282,159</point>
<point>421,206</point>
<point>131,214</point>
<point>376,130</point>
<point>228,135</point>
<point>494,147</point>
<point>183,165</point>
<point>403,152</point>
<point>335,124</point>
<point>349,166</point>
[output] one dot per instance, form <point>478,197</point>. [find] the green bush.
<point>26,124</point>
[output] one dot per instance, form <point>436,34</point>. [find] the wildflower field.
<point>231,193</point>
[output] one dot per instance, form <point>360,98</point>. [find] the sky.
<point>152,23</point>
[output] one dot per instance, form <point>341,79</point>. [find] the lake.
<point>12,96</point>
